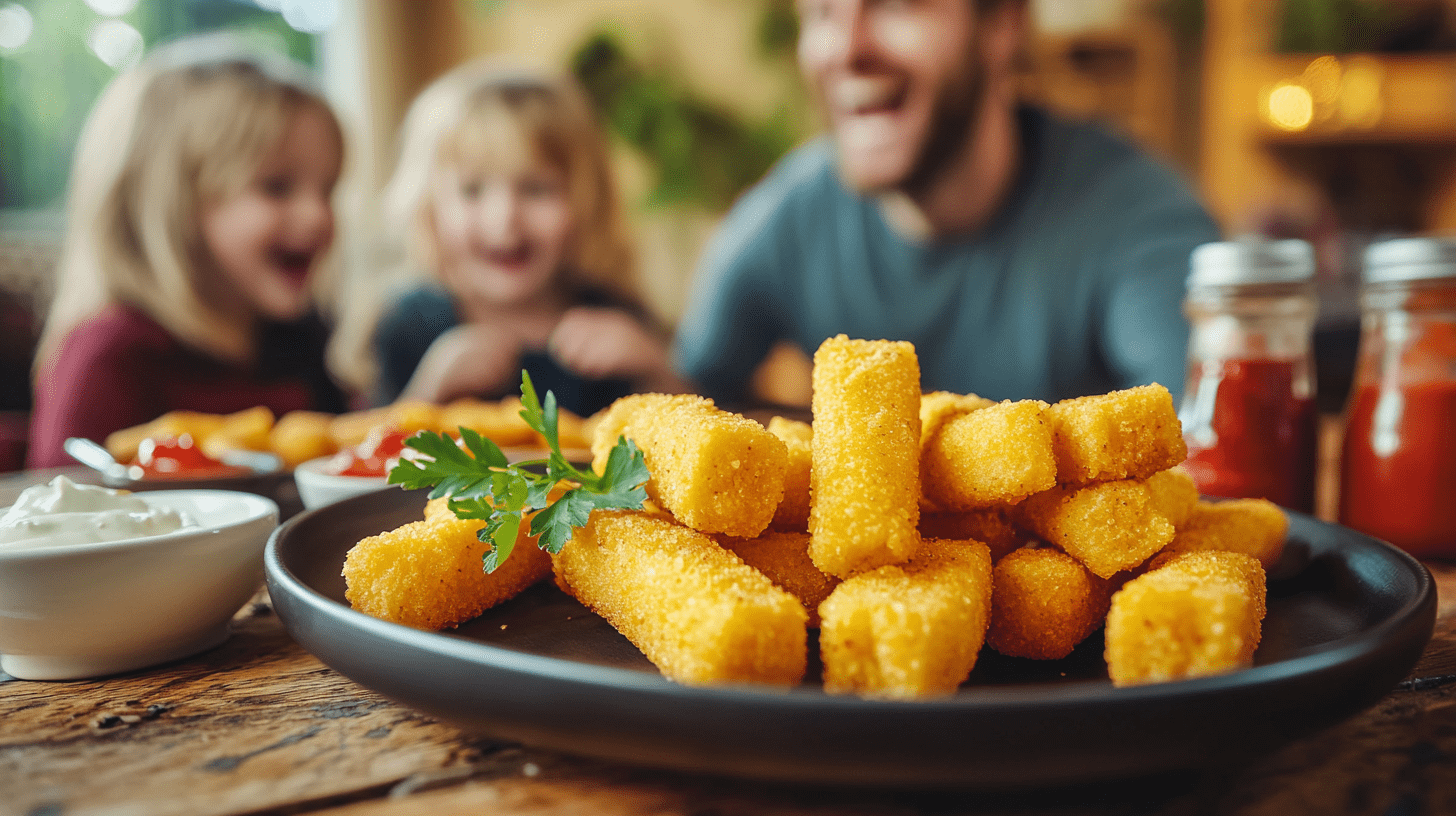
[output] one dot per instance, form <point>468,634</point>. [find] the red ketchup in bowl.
<point>178,458</point>
<point>374,457</point>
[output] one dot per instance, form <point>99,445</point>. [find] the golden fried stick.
<point>1254,527</point>
<point>793,512</point>
<point>1109,527</point>
<point>865,479</point>
<point>1043,603</point>
<point>1198,614</point>
<point>695,610</point>
<point>429,574</point>
<point>911,630</point>
<point>784,558</point>
<point>1174,495</point>
<point>992,526</point>
<point>715,471</point>
<point>1128,434</point>
<point>299,436</point>
<point>999,454</point>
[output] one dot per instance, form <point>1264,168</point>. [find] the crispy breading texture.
<point>1109,527</point>
<point>1128,434</point>
<point>247,429</point>
<point>865,478</point>
<point>784,558</point>
<point>1199,614</point>
<point>694,609</point>
<point>939,407</point>
<point>912,630</point>
<point>299,436</point>
<point>1174,495</point>
<point>793,512</point>
<point>1043,603</point>
<point>999,454</point>
<point>715,471</point>
<point>428,574</point>
<point>992,526</point>
<point>1254,527</point>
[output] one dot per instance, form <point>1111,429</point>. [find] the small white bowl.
<point>87,610</point>
<point>317,487</point>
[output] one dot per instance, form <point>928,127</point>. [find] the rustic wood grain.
<point>258,726</point>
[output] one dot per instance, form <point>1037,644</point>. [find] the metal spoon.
<point>100,459</point>
<point>97,458</point>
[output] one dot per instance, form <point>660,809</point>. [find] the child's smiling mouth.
<point>513,258</point>
<point>294,264</point>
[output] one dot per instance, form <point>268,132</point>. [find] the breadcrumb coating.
<point>1129,434</point>
<point>999,454</point>
<point>908,631</point>
<point>865,477</point>
<point>696,610</point>
<point>1198,614</point>
<point>1043,603</point>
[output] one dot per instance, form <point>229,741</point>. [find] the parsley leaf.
<point>482,484</point>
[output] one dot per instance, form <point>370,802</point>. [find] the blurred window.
<point>57,55</point>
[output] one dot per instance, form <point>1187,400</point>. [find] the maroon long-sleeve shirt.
<point>120,368</point>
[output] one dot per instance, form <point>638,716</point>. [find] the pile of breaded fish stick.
<point>910,529</point>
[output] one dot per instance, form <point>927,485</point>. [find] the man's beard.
<point>952,131</point>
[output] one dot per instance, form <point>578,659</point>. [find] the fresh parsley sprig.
<point>482,484</point>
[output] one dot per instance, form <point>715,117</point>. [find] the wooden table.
<point>258,726</point>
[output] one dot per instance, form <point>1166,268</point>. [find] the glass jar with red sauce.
<point>1248,408</point>
<point>1398,470</point>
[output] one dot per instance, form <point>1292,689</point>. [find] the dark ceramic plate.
<point>1348,618</point>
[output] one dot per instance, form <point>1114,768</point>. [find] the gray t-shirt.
<point>1074,287</point>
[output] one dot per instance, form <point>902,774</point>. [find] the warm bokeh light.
<point>1361,96</point>
<point>1289,106</point>
<point>1322,77</point>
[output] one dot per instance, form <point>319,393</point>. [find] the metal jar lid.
<point>1410,259</point>
<point>1251,261</point>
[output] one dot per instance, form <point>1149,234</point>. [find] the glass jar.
<point>1248,408</point>
<point>1398,472</point>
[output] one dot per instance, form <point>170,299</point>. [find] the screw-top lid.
<point>1233,263</point>
<point>1410,259</point>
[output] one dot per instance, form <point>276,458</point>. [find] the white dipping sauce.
<point>64,513</point>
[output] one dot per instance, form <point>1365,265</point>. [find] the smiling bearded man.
<point>1024,256</point>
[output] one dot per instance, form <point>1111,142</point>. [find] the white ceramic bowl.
<point>317,487</point>
<point>88,610</point>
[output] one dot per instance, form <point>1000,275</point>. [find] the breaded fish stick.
<point>1128,434</point>
<point>1254,527</point>
<point>996,455</point>
<point>784,558</point>
<point>1043,603</point>
<point>715,471</point>
<point>1108,527</point>
<point>695,610</point>
<point>1174,495</point>
<point>992,526</point>
<point>793,512</point>
<point>865,479</point>
<point>911,630</point>
<point>428,574</point>
<point>1198,614</point>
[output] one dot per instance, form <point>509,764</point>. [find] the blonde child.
<point>506,195</point>
<point>200,214</point>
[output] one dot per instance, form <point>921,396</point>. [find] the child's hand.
<point>603,343</point>
<point>468,360</point>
